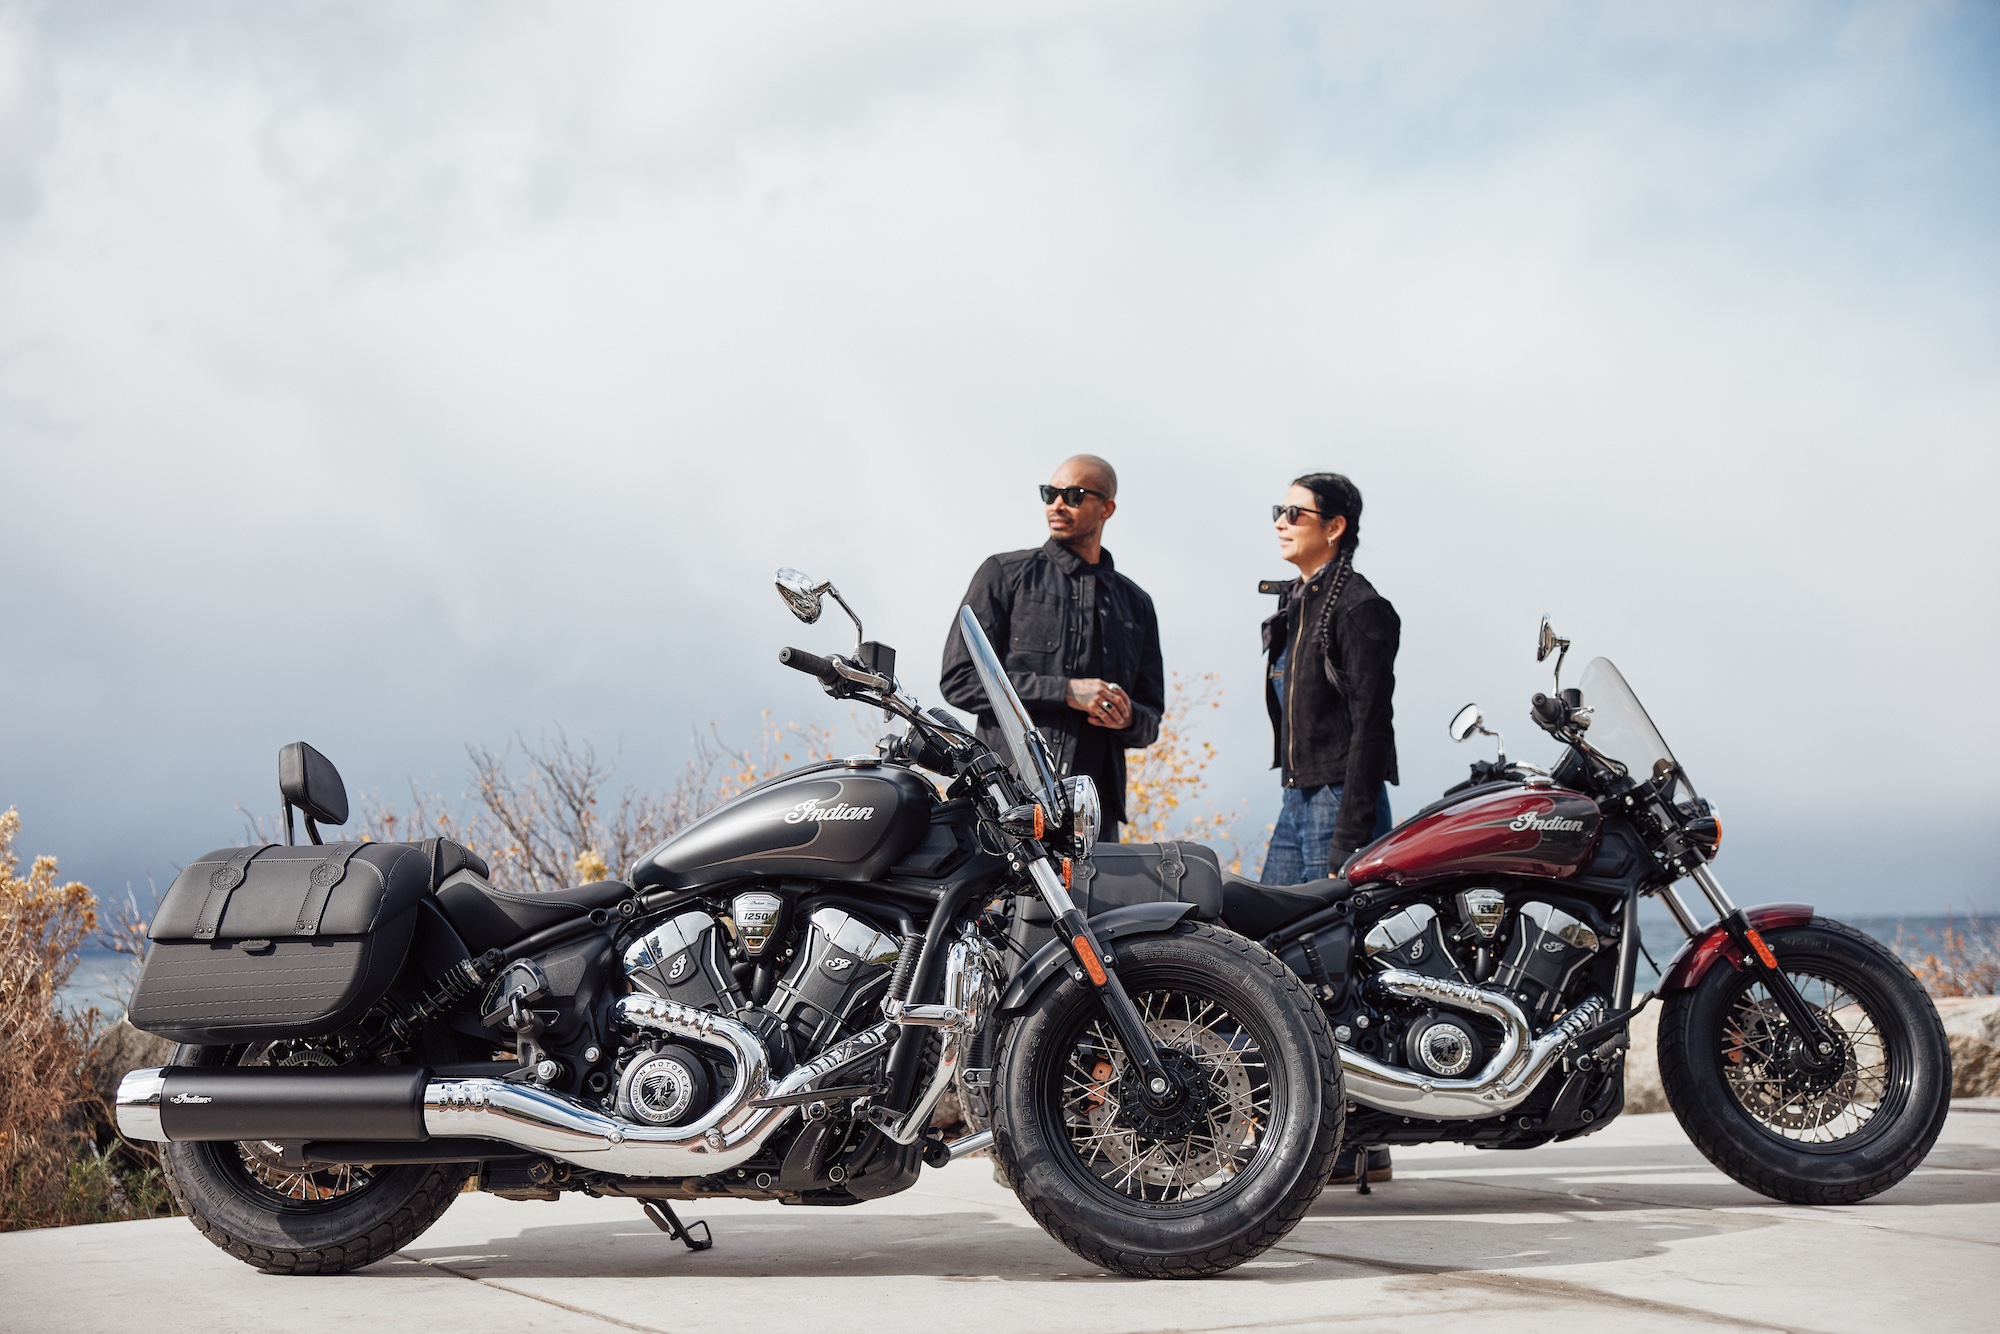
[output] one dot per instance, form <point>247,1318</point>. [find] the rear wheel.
<point>1833,1134</point>
<point>1209,1183</point>
<point>300,1220</point>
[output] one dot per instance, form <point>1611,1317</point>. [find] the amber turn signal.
<point>1091,963</point>
<point>1763,950</point>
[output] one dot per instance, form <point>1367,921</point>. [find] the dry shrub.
<point>1166,780</point>
<point>1953,961</point>
<point>59,1161</point>
<point>541,816</point>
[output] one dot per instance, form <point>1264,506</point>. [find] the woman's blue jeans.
<point>1304,834</point>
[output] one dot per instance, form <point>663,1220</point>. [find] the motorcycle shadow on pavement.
<point>1580,1204</point>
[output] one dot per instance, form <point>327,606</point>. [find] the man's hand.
<point>1103,702</point>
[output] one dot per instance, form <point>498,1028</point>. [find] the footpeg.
<point>666,1220</point>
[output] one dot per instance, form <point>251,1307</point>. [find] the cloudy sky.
<point>397,376</point>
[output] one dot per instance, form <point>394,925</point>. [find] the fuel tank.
<point>838,821</point>
<point>1545,832</point>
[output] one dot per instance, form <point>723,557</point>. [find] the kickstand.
<point>1361,1177</point>
<point>666,1220</point>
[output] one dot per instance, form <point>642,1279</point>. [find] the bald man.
<point>1079,640</point>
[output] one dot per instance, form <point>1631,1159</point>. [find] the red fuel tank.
<point>1545,832</point>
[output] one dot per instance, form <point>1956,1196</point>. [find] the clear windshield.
<point>1619,725</point>
<point>1024,744</point>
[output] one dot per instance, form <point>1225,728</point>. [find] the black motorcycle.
<point>770,1007</point>
<point>1478,963</point>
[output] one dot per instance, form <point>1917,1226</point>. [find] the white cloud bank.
<point>401,375</point>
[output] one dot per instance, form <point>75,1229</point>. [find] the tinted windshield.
<point>1029,759</point>
<point>1620,727</point>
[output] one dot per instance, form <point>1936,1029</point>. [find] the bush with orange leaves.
<point>59,1161</point>
<point>1164,782</point>
<point>1953,961</point>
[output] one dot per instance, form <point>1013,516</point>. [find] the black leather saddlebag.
<point>1121,874</point>
<point>257,944</point>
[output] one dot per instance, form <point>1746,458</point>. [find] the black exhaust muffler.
<point>192,1102</point>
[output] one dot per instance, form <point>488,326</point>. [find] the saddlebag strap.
<point>221,884</point>
<point>1172,868</point>
<point>325,875</point>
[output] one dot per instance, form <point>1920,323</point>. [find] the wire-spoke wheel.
<point>1807,1104</point>
<point>1207,1143</point>
<point>1214,1173</point>
<point>1828,1132</point>
<point>295,1218</point>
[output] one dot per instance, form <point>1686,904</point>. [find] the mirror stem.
<point>859,635</point>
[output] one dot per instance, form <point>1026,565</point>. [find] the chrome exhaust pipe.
<point>542,1121</point>
<point>727,1134</point>
<point>1508,1077</point>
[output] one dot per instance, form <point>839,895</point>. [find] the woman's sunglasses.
<point>1291,513</point>
<point>1072,496</point>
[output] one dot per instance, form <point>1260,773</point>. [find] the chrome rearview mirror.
<point>1550,642</point>
<point>1466,721</point>
<point>802,594</point>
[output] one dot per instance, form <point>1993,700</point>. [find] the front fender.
<point>1686,969</point>
<point>1139,919</point>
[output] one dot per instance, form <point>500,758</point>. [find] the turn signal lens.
<point>1763,950</point>
<point>1091,964</point>
<point>1069,872</point>
<point>1041,821</point>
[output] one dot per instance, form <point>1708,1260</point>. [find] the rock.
<point>1972,1026</point>
<point>1643,1090</point>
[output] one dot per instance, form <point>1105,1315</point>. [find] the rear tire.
<point>1238,1023</point>
<point>324,1222</point>
<point>1799,1136</point>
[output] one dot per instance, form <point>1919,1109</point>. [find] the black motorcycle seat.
<point>489,918</point>
<point>1259,911</point>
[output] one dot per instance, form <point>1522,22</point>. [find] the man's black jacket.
<point>1336,731</point>
<point>1036,606</point>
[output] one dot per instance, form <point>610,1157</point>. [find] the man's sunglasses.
<point>1291,513</point>
<point>1072,496</point>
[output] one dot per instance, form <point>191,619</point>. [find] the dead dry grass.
<point>60,1161</point>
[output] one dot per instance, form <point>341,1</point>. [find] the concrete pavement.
<point>1627,1230</point>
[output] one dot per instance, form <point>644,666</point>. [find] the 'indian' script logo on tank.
<point>810,809</point>
<point>1547,824</point>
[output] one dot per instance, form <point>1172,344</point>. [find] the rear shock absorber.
<point>462,979</point>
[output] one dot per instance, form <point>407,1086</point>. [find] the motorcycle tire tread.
<point>1276,1222</point>
<point>434,1194</point>
<point>1696,1119</point>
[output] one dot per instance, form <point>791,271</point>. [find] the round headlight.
<point>1086,813</point>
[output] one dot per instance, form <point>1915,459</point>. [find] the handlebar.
<point>811,664</point>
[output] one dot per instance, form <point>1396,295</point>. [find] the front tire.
<point>289,1221</point>
<point>1218,1182</point>
<point>1837,1135</point>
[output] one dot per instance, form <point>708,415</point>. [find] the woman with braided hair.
<point>1332,676</point>
<point>1331,649</point>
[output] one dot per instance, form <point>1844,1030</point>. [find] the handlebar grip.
<point>810,663</point>
<point>1548,712</point>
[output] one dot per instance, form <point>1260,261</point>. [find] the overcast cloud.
<point>397,376</point>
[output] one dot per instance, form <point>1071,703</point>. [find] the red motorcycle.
<point>1478,965</point>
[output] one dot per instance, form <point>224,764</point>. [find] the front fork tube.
<point>1757,956</point>
<point>1133,1034</point>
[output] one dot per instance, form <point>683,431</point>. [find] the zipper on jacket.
<point>1291,696</point>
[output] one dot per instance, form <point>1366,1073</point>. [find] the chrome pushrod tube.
<point>1508,1077</point>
